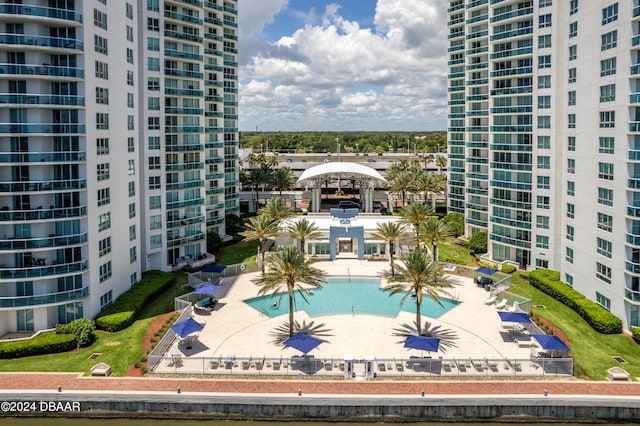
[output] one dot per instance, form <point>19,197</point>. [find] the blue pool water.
<point>346,295</point>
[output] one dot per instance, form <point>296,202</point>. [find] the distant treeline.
<point>363,142</point>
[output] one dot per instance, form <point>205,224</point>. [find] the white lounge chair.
<point>502,304</point>
<point>491,300</point>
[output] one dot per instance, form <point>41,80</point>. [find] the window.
<point>544,162</point>
<point>571,188</point>
<point>129,55</point>
<point>568,254</point>
<point>540,263</point>
<point>154,182</point>
<point>544,21</point>
<point>544,182</point>
<point>573,74</point>
<point>132,232</point>
<point>569,279</point>
<point>102,95</point>
<point>544,61</point>
<point>573,52</point>
<point>571,99</point>
<point>544,142</point>
<point>544,41</point>
<point>153,5</point>
<point>544,3</point>
<point>154,202</point>
<point>105,271</point>
<point>573,29</point>
<point>153,64</point>
<point>100,45</point>
<point>131,167</point>
<point>155,222</point>
<point>610,14</point>
<point>604,247</point>
<point>571,211</point>
<point>573,7</point>
<point>605,196</point>
<point>129,33</point>
<point>155,241</point>
<point>153,44</point>
<point>603,272</point>
<point>104,221</point>
<point>99,19</point>
<point>571,121</point>
<point>570,232</point>
<point>544,82</point>
<point>132,210</point>
<point>129,10</point>
<point>154,163</point>
<point>104,196</point>
<point>605,171</point>
<point>104,246</point>
<point>571,165</point>
<point>103,171</point>
<point>130,122</point>
<point>132,254</point>
<point>102,120</point>
<point>607,119</point>
<point>544,102</point>
<point>130,100</point>
<point>154,142</point>
<point>571,144</point>
<point>153,24</point>
<point>102,146</point>
<point>102,70</point>
<point>544,122</point>
<point>605,222</point>
<point>132,189</point>
<point>542,202</point>
<point>153,83</point>
<point>607,67</point>
<point>609,40</point>
<point>154,104</point>
<point>153,123</point>
<point>608,93</point>
<point>542,241</point>
<point>606,145</point>
<point>605,302</point>
<point>106,299</point>
<point>129,78</point>
<point>542,222</point>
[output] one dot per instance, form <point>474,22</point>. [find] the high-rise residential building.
<point>118,147</point>
<point>544,138</point>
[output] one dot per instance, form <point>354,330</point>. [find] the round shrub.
<point>508,268</point>
<point>82,329</point>
<point>478,242</point>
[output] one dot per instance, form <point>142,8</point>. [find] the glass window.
<point>542,202</point>
<point>604,247</point>
<point>571,165</point>
<point>571,121</point>
<point>573,29</point>
<point>544,102</point>
<point>605,222</point>
<point>570,232</point>
<point>544,82</point>
<point>100,45</point>
<point>571,97</point>
<point>544,142</point>
<point>155,241</point>
<point>610,14</point>
<point>544,162</point>
<point>608,67</point>
<point>99,19</point>
<point>542,241</point>
<point>573,74</point>
<point>571,188</point>
<point>102,70</point>
<point>605,171</point>
<point>573,7</point>
<point>606,145</point>
<point>544,41</point>
<point>154,202</point>
<point>608,93</point>
<point>569,254</point>
<point>544,182</point>
<point>571,144</point>
<point>154,182</point>
<point>609,40</point>
<point>542,222</point>
<point>153,44</point>
<point>603,301</point>
<point>544,122</point>
<point>544,3</point>
<point>105,271</point>
<point>544,21</point>
<point>607,119</point>
<point>603,272</point>
<point>544,61</point>
<point>573,52</point>
<point>605,196</point>
<point>154,142</point>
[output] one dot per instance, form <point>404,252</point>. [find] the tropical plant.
<point>419,276</point>
<point>390,232</point>
<point>259,178</point>
<point>283,179</point>
<point>276,210</point>
<point>414,214</point>
<point>441,162</point>
<point>455,222</point>
<point>290,273</point>
<point>402,184</point>
<point>447,336</point>
<point>260,228</point>
<point>303,230</point>
<point>434,232</point>
<point>478,242</point>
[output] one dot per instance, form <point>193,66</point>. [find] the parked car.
<point>346,204</point>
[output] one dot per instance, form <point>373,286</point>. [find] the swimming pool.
<point>347,295</point>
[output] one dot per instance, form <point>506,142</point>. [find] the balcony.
<point>185,185</point>
<point>42,71</point>
<point>42,186</point>
<point>633,212</point>
<point>512,52</point>
<point>512,71</point>
<point>632,267</point>
<point>510,241</point>
<point>512,14</point>
<point>69,129</point>
<point>41,41</point>
<point>186,240</point>
<point>183,129</point>
<point>183,148</point>
<point>39,11</point>
<point>182,17</point>
<point>44,299</point>
<point>57,100</point>
<point>173,205</point>
<point>183,92</point>
<point>7,215</point>
<point>183,73</point>
<point>512,129</point>
<point>185,221</point>
<point>183,36</point>
<point>43,243</point>
<point>632,295</point>
<point>42,157</point>
<point>182,55</point>
<point>633,239</point>
<point>16,273</point>
<point>520,32</point>
<point>183,111</point>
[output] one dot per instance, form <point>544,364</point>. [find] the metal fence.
<point>156,355</point>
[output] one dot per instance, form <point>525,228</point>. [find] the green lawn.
<point>241,252</point>
<point>455,253</point>
<point>592,351</point>
<point>119,350</point>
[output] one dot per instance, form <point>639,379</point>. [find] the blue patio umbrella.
<point>430,344</point>
<point>214,268</point>
<point>550,342</point>
<point>486,271</point>
<point>208,289</point>
<point>186,327</point>
<point>519,317</point>
<point>302,342</point>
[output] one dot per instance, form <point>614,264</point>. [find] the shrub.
<point>82,329</point>
<point>478,242</point>
<point>508,268</point>
<point>455,222</point>
<point>124,311</point>
<point>47,343</point>
<point>596,316</point>
<point>636,334</point>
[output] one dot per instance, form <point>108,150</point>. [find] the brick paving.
<point>76,382</point>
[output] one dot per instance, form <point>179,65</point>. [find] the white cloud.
<point>334,74</point>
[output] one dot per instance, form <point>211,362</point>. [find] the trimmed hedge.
<point>125,310</point>
<point>636,334</point>
<point>47,343</point>
<point>508,268</point>
<point>596,316</point>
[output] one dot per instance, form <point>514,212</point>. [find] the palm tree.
<point>259,177</point>
<point>260,228</point>
<point>414,214</point>
<point>276,210</point>
<point>288,271</point>
<point>402,184</point>
<point>390,232</point>
<point>441,162</point>
<point>434,232</point>
<point>283,179</point>
<point>419,276</point>
<point>303,230</point>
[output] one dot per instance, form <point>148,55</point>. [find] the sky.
<point>318,65</point>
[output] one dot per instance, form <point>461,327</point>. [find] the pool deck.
<point>234,329</point>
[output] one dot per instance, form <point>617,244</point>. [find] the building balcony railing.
<point>185,203</point>
<point>477,18</point>
<point>43,129</point>
<point>512,110</point>
<point>215,221</point>
<point>58,100</point>
<point>41,70</point>
<point>634,98</point>
<point>512,129</point>
<point>42,157</point>
<point>183,55</point>
<point>185,221</point>
<point>632,295</point>
<point>197,3</point>
<point>39,186</point>
<point>512,14</point>
<point>633,183</point>
<point>633,239</point>
<point>183,73</point>
<point>41,41</point>
<point>45,12</point>
<point>188,166</point>
<point>186,240</point>
<point>183,111</point>
<point>632,267</point>
<point>215,190</point>
<point>510,241</point>
<point>185,185</point>
<point>14,273</point>
<point>44,299</point>
<point>511,91</point>
<point>183,36</point>
<point>183,129</point>
<point>510,222</point>
<point>184,148</point>
<point>183,92</point>
<point>512,71</point>
<point>39,213</point>
<point>182,17</point>
<point>634,126</point>
<point>40,243</point>
<point>512,52</point>
<point>520,32</point>
<point>633,211</point>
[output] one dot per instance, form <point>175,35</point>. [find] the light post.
<point>338,148</point>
